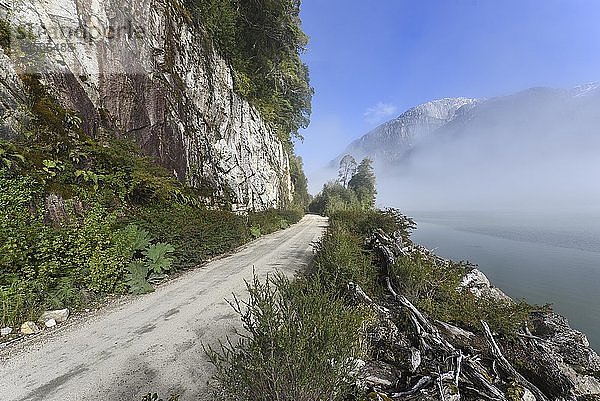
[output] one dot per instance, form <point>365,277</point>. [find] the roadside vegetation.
<point>86,217</point>
<point>300,342</point>
<point>304,339</point>
<point>355,189</point>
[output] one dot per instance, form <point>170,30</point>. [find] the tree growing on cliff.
<point>301,197</point>
<point>263,39</point>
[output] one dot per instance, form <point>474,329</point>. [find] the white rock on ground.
<point>6,331</point>
<point>479,285</point>
<point>59,316</point>
<point>50,323</point>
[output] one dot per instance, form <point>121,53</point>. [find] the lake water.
<point>543,258</point>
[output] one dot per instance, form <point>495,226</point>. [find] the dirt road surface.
<point>151,343</point>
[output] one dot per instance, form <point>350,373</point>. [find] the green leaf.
<point>255,231</point>
<point>141,240</point>
<point>136,278</point>
<point>158,259</point>
<point>50,163</point>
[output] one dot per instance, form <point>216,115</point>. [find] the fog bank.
<point>536,150</point>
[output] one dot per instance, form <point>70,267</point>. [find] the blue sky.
<point>372,59</point>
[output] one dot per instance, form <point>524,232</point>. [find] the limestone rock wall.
<point>142,68</point>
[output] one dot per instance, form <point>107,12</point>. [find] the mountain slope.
<point>538,147</point>
<point>528,113</point>
<point>393,139</point>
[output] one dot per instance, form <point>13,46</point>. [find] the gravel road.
<point>152,342</point>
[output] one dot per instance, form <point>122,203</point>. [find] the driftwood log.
<point>447,370</point>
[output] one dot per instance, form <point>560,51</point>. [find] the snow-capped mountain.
<point>393,139</point>
<point>586,89</point>
<point>536,111</point>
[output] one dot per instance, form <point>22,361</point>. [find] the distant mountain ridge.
<point>393,141</point>
<point>394,138</point>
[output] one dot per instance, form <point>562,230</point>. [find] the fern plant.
<point>66,293</point>
<point>150,269</point>
<point>8,158</point>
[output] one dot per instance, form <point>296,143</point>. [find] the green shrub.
<point>255,232</point>
<point>48,264</point>
<point>341,259</point>
<point>431,285</point>
<point>300,345</point>
<point>334,197</point>
<point>364,222</point>
<point>87,252</point>
<point>111,254</point>
<point>273,220</point>
<point>435,290</point>
<point>17,300</point>
<point>291,216</point>
<point>196,234</point>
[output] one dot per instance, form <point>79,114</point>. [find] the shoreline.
<point>527,270</point>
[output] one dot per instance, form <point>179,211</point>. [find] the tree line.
<point>355,188</point>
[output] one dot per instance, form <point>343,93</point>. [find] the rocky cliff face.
<point>142,68</point>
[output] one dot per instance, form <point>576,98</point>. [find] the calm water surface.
<point>543,258</point>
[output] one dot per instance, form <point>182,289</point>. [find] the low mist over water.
<point>535,150</point>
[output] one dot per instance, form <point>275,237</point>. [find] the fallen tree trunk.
<point>433,342</point>
<point>504,364</point>
<point>455,363</point>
